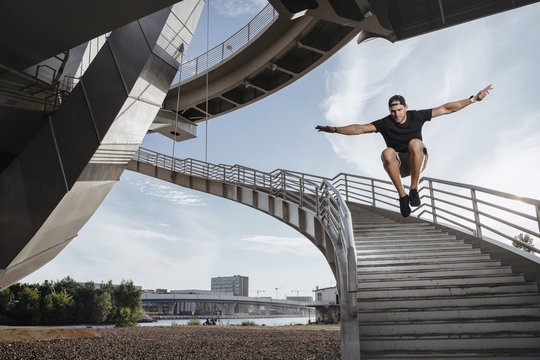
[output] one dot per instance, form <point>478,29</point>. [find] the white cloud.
<point>167,192</point>
<point>235,8</point>
<point>487,143</point>
<point>281,245</point>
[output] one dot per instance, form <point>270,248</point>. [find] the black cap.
<point>395,98</point>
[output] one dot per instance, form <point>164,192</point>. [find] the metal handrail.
<point>343,226</point>
<point>502,217</point>
<point>451,207</point>
<point>226,49</point>
<point>464,206</point>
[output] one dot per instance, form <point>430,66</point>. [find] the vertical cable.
<point>207,49</point>
<point>177,106</point>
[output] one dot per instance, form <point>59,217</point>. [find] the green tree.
<point>127,317</point>
<point>128,304</point>
<point>64,306</point>
<point>527,239</point>
<point>6,296</point>
<point>103,305</point>
<point>47,309</point>
<point>85,302</point>
<point>27,306</point>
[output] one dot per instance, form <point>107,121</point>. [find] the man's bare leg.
<point>390,163</point>
<point>416,156</point>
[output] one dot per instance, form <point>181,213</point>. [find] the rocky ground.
<point>186,342</point>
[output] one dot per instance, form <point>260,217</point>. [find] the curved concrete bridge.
<point>409,288</point>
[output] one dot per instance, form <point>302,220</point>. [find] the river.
<point>277,321</point>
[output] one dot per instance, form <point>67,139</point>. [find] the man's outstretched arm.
<point>451,107</point>
<point>354,129</point>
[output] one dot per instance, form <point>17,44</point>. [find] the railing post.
<point>476,215</point>
<point>432,196</point>
<point>283,186</point>
<point>538,217</point>
<point>346,189</point>
<point>301,191</point>
<point>317,207</point>
<point>373,192</point>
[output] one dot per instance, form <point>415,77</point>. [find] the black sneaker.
<point>415,199</point>
<point>404,207</point>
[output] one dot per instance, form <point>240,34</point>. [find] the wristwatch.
<point>471,99</point>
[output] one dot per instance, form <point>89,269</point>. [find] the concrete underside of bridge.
<point>56,176</point>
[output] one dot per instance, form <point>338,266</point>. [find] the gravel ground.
<point>186,342</point>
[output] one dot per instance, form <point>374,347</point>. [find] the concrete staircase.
<point>423,293</point>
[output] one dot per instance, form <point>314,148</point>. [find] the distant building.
<point>326,296</point>
<point>237,285</point>
<point>327,305</point>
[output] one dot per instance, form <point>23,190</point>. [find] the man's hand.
<point>328,129</point>
<point>483,93</point>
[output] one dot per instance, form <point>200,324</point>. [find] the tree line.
<point>69,302</point>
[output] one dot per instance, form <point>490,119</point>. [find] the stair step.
<point>411,232</point>
<point>414,267</point>
<point>423,260</point>
<point>419,254</point>
<point>441,273</point>
<point>460,282</point>
<point>362,250</point>
<point>500,354</point>
<point>392,224</point>
<point>451,314</point>
<point>404,237</point>
<point>532,298</point>
<point>406,242</point>
<point>461,342</point>
<point>410,328</point>
<point>446,291</point>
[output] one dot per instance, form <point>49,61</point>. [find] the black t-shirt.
<point>397,136</point>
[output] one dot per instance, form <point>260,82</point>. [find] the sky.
<point>165,236</point>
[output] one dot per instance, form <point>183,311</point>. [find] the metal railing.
<point>472,209</point>
<point>233,44</point>
<point>319,196</point>
<point>476,210</point>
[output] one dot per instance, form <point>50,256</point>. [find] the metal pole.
<point>346,189</point>
<point>283,186</point>
<point>433,211</point>
<point>538,216</point>
<point>372,192</point>
<point>301,191</point>
<point>476,215</point>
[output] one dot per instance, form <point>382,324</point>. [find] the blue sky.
<point>163,236</point>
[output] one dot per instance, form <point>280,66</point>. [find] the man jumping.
<point>402,131</point>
